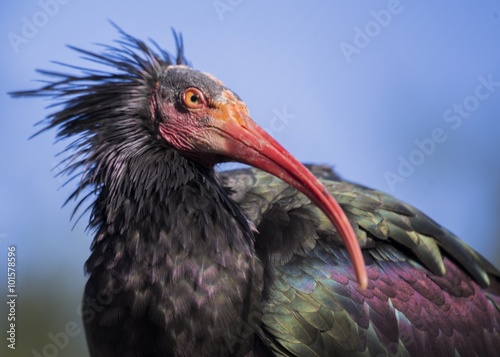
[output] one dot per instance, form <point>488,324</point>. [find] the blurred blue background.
<point>363,87</point>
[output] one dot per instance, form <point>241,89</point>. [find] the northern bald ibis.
<point>187,261</point>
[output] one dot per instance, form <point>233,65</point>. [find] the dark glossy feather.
<point>178,269</point>
<point>429,293</point>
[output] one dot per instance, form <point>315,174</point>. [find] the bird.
<point>276,259</point>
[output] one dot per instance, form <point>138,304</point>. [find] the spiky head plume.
<point>97,108</point>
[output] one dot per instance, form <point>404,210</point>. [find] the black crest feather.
<point>96,108</point>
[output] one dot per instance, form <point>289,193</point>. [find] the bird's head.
<point>197,115</point>
<point>182,108</point>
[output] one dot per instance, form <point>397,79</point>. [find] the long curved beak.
<point>239,138</point>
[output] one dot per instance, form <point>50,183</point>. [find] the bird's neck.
<point>167,202</point>
<point>170,227</point>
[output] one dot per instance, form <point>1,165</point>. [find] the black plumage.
<point>189,262</point>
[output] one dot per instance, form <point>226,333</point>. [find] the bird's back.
<point>429,293</point>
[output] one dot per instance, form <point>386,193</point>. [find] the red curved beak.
<point>239,138</point>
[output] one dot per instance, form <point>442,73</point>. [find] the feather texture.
<point>178,269</point>
<point>429,293</point>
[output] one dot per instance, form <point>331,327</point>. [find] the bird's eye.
<point>193,98</point>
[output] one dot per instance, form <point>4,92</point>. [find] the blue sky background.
<point>407,64</point>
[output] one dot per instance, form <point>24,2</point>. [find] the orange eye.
<point>193,98</point>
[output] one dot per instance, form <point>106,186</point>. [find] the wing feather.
<point>429,293</point>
